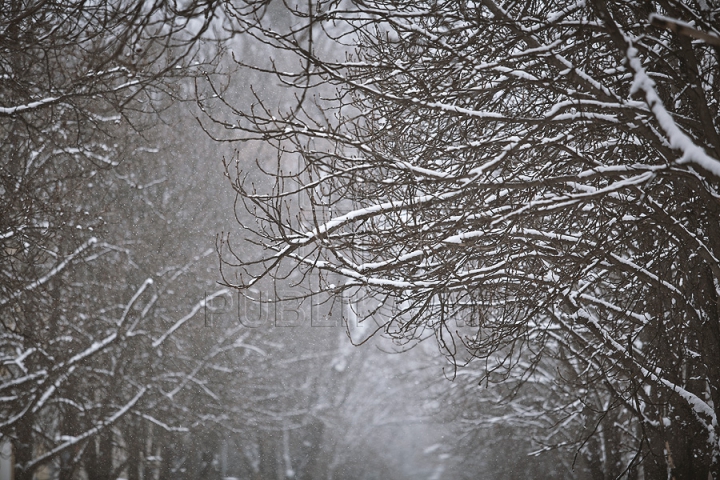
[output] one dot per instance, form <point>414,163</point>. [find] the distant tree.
<point>73,75</point>
<point>81,84</point>
<point>544,173</point>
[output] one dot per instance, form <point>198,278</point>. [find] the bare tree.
<point>72,75</point>
<point>544,173</point>
<point>80,85</point>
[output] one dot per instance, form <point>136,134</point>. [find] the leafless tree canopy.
<point>91,359</point>
<point>542,173</point>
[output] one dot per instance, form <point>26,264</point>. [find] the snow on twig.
<point>88,433</point>
<point>196,308</point>
<point>134,299</point>
<point>683,28</point>
<point>677,139</point>
<point>57,269</point>
<point>28,106</point>
<point>703,412</point>
<point>160,424</point>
